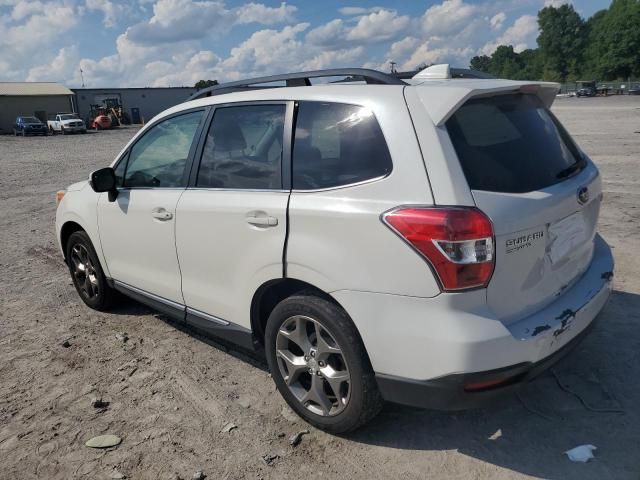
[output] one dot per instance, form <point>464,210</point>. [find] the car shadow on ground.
<point>128,306</point>
<point>586,398</point>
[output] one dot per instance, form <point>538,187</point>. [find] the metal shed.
<point>140,104</point>
<point>38,99</point>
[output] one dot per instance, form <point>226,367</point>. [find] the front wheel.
<point>319,364</point>
<point>86,272</point>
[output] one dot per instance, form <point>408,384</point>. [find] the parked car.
<point>29,126</point>
<point>430,242</point>
<point>586,88</point>
<point>65,123</point>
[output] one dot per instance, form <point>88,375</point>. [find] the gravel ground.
<point>171,392</point>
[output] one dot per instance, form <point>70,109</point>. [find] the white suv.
<point>430,242</point>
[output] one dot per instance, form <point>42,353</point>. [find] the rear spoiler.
<point>442,98</point>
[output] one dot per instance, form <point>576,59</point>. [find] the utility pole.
<point>82,77</point>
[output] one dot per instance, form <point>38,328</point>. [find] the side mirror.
<point>104,180</point>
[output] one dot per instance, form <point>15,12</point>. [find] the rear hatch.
<point>538,188</point>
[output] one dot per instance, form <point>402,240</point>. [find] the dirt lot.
<point>171,392</point>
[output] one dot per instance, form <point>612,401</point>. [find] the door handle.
<point>263,221</point>
<point>161,213</point>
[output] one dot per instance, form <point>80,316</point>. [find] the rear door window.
<point>512,144</point>
<point>243,148</point>
<point>337,144</point>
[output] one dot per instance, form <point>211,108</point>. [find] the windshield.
<point>68,117</point>
<point>512,143</point>
<point>30,120</point>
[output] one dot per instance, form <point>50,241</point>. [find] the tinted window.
<point>243,148</point>
<point>337,144</point>
<point>159,158</point>
<point>510,143</point>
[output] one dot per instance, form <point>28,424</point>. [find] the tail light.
<point>456,241</point>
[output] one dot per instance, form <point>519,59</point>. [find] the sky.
<point>155,43</point>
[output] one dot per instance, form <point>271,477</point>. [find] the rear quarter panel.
<point>337,240</point>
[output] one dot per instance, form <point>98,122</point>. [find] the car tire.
<point>87,274</point>
<point>334,388</point>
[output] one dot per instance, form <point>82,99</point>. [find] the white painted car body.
<point>60,123</point>
<point>211,262</point>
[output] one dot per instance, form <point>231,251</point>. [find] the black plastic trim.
<point>167,307</point>
<point>240,336</point>
<point>206,324</point>
<point>298,79</point>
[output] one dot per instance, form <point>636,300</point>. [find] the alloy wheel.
<point>313,366</point>
<point>84,271</point>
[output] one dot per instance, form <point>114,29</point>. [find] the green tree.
<point>562,41</point>
<point>505,63</point>
<point>200,84</point>
<point>482,63</point>
<point>532,65</point>
<point>614,41</point>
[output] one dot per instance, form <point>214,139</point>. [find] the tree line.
<point>605,47</point>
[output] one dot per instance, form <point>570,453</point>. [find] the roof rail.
<point>300,79</point>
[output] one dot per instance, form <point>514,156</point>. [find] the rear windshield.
<point>30,120</point>
<point>511,143</point>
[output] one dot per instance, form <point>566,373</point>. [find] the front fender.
<point>80,206</point>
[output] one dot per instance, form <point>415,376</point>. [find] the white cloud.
<point>259,13</point>
<point>448,17</point>
<point>349,11</point>
<point>521,35</point>
<point>23,9</point>
<point>330,33</point>
<point>177,42</point>
<point>179,20</point>
<point>497,20</point>
<point>378,26</point>
<point>428,53</point>
<point>556,3</point>
<point>110,10</point>
<point>60,69</point>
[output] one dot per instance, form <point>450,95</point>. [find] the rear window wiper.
<point>572,169</point>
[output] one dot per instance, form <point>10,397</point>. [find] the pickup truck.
<point>66,123</point>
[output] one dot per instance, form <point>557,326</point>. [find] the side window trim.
<point>124,158</point>
<point>192,150</point>
<point>287,144</point>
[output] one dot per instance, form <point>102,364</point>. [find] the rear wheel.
<point>319,364</point>
<point>86,272</point>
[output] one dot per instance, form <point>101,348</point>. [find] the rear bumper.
<point>426,350</point>
<point>451,393</point>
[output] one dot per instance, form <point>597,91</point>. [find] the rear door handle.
<point>161,213</point>
<point>263,221</point>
